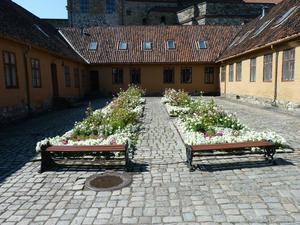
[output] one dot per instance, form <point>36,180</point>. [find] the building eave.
<point>260,47</point>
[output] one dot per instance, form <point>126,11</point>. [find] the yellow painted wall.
<point>286,90</point>
<point>11,97</point>
<point>289,89</point>
<point>152,78</point>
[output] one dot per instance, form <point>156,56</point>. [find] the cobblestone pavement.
<point>228,190</point>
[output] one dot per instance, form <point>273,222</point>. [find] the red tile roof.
<point>217,38</point>
<point>19,24</point>
<point>263,31</point>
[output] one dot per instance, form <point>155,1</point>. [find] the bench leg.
<point>270,152</point>
<point>189,158</point>
<point>46,162</point>
<point>127,160</point>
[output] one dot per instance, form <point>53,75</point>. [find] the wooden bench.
<point>47,161</point>
<point>268,147</point>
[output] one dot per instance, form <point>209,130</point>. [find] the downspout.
<point>274,103</point>
<point>25,57</point>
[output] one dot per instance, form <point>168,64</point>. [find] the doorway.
<point>54,80</point>
<point>94,79</point>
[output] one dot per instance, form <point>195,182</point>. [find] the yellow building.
<point>263,62</point>
<point>40,65</point>
<point>154,57</point>
<point>37,65</point>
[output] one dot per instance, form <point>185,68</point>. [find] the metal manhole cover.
<point>108,181</point>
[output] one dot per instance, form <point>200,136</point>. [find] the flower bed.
<point>202,122</point>
<point>117,123</point>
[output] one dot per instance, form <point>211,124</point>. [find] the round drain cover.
<point>108,181</point>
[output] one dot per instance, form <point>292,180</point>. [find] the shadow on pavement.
<point>242,165</point>
<point>18,141</point>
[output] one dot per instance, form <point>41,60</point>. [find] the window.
<point>122,45</point>
<point>231,73</point>
<point>238,71</point>
<point>262,27</point>
<point>288,65</point>
<point>223,73</point>
<point>117,76</point>
<point>135,75</point>
<point>171,44</point>
<point>186,75</point>
<point>147,45</point>
<point>286,16</point>
<point>93,45</point>
<point>268,61</point>
<point>202,44</point>
<point>67,77</point>
<point>253,70</point>
<point>76,78</point>
<point>84,6</point>
<point>209,75</point>
<point>36,73</point>
<point>169,75</point>
<point>10,70</point>
<point>110,6</point>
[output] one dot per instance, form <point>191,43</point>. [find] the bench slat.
<point>232,146</point>
<point>96,148</point>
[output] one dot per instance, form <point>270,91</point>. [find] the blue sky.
<point>45,8</point>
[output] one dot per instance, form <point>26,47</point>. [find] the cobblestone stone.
<point>231,190</point>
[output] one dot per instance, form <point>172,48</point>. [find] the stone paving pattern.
<point>227,190</point>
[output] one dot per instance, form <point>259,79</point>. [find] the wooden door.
<point>94,79</point>
<point>54,80</point>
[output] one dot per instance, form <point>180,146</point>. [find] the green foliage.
<point>119,115</point>
<point>201,115</point>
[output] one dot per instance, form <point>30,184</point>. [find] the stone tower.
<point>85,13</point>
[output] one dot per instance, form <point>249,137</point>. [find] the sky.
<point>45,8</point>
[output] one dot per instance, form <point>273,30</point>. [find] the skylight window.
<point>262,28</point>
<point>93,45</point>
<point>171,44</point>
<point>147,45</point>
<point>41,30</point>
<point>202,44</point>
<point>244,37</point>
<point>286,16</point>
<point>122,45</point>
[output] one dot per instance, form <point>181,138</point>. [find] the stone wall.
<point>136,13</point>
<point>220,13</point>
<point>96,15</point>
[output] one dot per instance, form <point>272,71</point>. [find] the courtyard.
<point>227,190</point>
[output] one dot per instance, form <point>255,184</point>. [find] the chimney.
<point>82,31</point>
<point>263,12</point>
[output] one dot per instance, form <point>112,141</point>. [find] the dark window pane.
<point>253,70</point>
<point>288,65</point>
<point>186,75</point>
<point>135,75</point>
<point>117,74</point>
<point>10,70</point>
<point>168,75</point>
<point>209,75</point>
